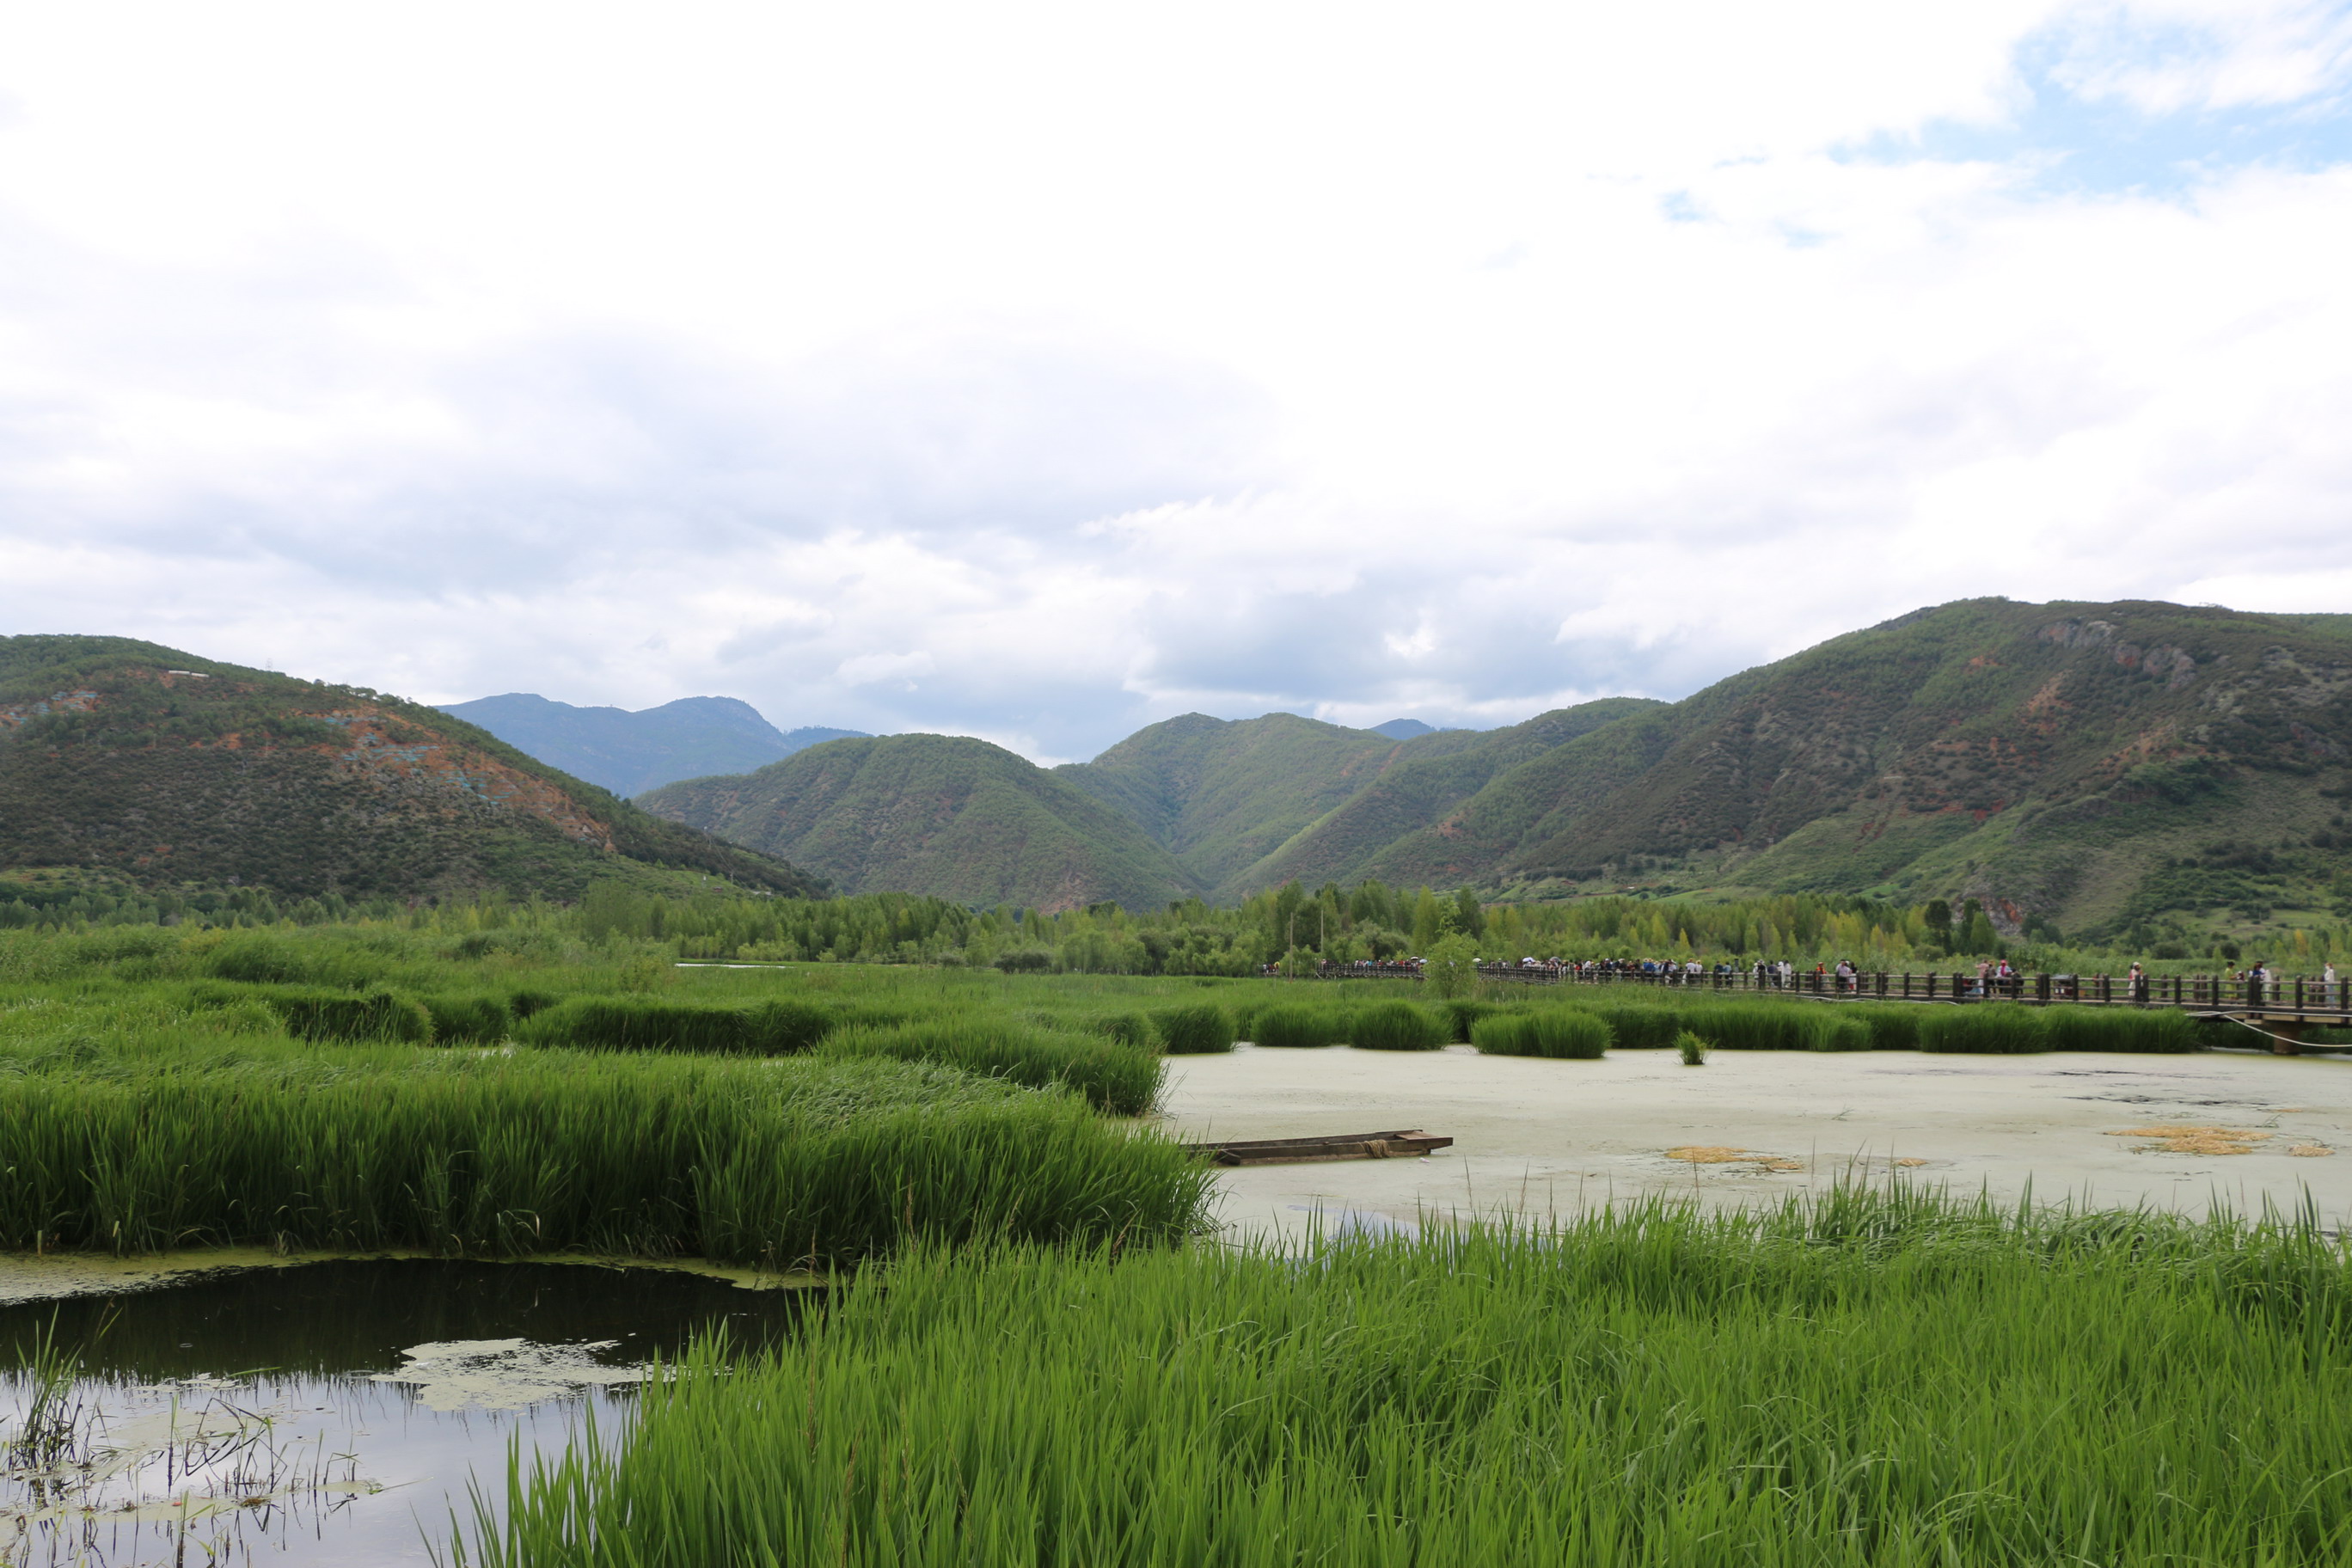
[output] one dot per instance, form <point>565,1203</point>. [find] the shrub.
<point>1288,1024</point>
<point>1025,961</point>
<point>1199,1029</point>
<point>1554,1032</point>
<point>1397,1027</point>
<point>1114,1077</point>
<point>377,1015</point>
<point>469,1020</point>
<point>1994,1028</point>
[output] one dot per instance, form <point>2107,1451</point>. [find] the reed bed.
<point>1397,1027</point>
<point>1289,1025</point>
<point>1200,1028</point>
<point>1859,1381</point>
<point>777,1026</point>
<point>822,1161</point>
<point>1114,1077</point>
<point>1561,1033</point>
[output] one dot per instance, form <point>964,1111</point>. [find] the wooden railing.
<point>2302,995</point>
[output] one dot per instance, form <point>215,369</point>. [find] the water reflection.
<point>330,1412</point>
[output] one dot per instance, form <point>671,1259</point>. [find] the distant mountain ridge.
<point>630,752</point>
<point>946,815</point>
<point>2114,767</point>
<point>1225,795</point>
<point>127,757</point>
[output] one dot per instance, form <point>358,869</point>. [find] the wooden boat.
<point>1329,1146</point>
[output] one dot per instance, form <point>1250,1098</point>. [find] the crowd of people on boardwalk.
<point>1990,978</point>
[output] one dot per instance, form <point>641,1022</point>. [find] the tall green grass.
<point>821,1160</point>
<point>772,1027</point>
<point>1557,1032</point>
<point>1201,1028</point>
<point>1867,1382</point>
<point>1114,1077</point>
<point>1290,1025</point>
<point>1396,1027</point>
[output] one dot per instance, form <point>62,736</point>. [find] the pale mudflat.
<point>2186,1133</point>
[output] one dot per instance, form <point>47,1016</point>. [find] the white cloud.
<point>1038,370</point>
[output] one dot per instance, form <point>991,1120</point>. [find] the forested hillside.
<point>2140,768</point>
<point>2100,766</point>
<point>944,815</point>
<point>1222,795</point>
<point>127,758</point>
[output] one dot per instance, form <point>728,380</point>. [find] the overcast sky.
<point>1037,372</point>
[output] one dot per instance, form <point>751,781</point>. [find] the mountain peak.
<point>629,753</point>
<point>1404,729</point>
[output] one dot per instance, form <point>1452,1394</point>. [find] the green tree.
<point>1452,968</point>
<point>1431,919</point>
<point>1468,918</point>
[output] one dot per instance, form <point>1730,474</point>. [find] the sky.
<point>1037,372</point>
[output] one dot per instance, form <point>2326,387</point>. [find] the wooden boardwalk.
<point>2283,1007</point>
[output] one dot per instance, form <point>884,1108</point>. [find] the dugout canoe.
<point>1409,1140</point>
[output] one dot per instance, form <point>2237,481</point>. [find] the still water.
<point>328,1412</point>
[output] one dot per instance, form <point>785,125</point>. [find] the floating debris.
<point>2194,1140</point>
<point>504,1374</point>
<point>2311,1150</point>
<point>1724,1154</point>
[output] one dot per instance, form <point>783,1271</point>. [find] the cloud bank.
<point>1038,372</point>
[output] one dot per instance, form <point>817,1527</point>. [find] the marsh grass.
<point>1397,1027</point>
<point>1114,1077</point>
<point>812,1159</point>
<point>1200,1028</point>
<point>1555,1031</point>
<point>1293,1025</point>
<point>1863,1380</point>
<point>777,1026</point>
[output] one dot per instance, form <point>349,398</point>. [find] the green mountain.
<point>1223,794</point>
<point>629,753</point>
<point>126,757</point>
<point>943,814</point>
<point>1378,831</point>
<point>2091,765</point>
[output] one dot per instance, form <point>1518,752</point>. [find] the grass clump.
<point>1200,1028</point>
<point>1396,1027</point>
<point>1286,1025</point>
<point>1114,1077</point>
<point>2156,1029</point>
<point>645,1023</point>
<point>380,1013</point>
<point>1555,1031</point>
<point>469,1020</point>
<point>1652,1387</point>
<point>804,1161</point>
<point>1985,1028</point>
<point>1692,1049</point>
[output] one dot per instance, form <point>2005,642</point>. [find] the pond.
<point>338,1412</point>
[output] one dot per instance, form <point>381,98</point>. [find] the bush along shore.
<point>1875,1380</point>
